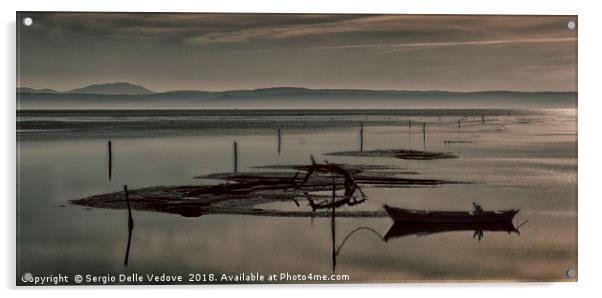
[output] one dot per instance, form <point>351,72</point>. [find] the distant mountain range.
<point>119,88</point>
<point>31,90</point>
<point>113,88</point>
<point>130,96</point>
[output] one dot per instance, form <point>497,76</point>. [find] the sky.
<point>168,51</point>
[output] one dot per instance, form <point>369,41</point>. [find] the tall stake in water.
<point>235,157</point>
<point>410,134</point>
<point>459,142</point>
<point>424,136</point>
<point>279,141</point>
<point>483,119</point>
<point>110,160</point>
<point>127,200</point>
<point>361,136</point>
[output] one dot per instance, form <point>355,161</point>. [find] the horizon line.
<point>296,87</point>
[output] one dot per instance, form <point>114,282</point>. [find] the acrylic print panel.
<point>164,148</point>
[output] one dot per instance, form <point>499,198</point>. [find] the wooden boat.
<point>420,216</point>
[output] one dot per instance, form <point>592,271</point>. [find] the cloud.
<point>393,48</point>
<point>223,27</point>
<point>407,28</point>
<point>203,29</point>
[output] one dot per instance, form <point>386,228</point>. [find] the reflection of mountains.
<point>399,230</point>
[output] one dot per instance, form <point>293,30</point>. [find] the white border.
<point>589,144</point>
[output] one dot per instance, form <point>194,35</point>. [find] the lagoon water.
<point>516,159</point>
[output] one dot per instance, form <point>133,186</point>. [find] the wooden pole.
<point>459,142</point>
<point>235,157</point>
<point>483,119</point>
<point>459,126</point>
<point>279,141</point>
<point>127,200</point>
<point>110,161</point>
<point>410,134</point>
<point>424,136</point>
<point>361,136</point>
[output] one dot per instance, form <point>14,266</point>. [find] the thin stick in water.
<point>361,136</point>
<point>235,157</point>
<point>410,134</point>
<point>127,200</point>
<point>110,160</point>
<point>424,136</point>
<point>279,141</point>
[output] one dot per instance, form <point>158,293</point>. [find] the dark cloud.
<point>231,51</point>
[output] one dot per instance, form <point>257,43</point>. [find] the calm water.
<point>518,159</point>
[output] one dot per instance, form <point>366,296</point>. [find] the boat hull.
<point>419,216</point>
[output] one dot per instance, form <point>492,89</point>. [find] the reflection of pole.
<point>333,226</point>
<point>235,157</point>
<point>279,140</point>
<point>130,224</point>
<point>361,136</point>
<point>127,250</point>
<point>110,160</point>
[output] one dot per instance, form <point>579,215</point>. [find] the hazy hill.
<point>112,89</point>
<point>31,90</point>
<point>128,96</point>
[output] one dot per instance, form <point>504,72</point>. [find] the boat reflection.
<point>399,230</point>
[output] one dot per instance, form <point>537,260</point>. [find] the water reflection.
<point>399,230</point>
<point>127,250</point>
<point>130,224</point>
<point>402,229</point>
<point>531,166</point>
<point>349,198</point>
